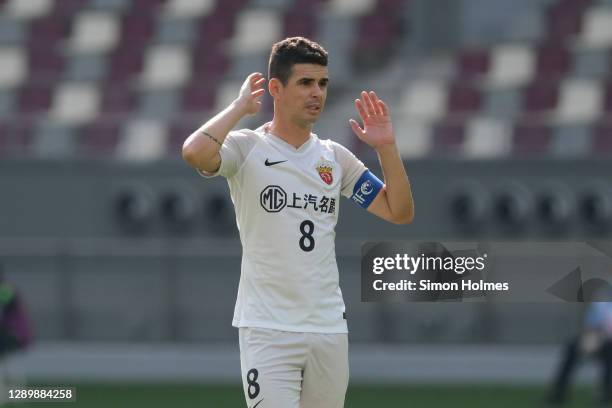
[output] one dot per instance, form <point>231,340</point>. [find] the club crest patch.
<point>325,169</point>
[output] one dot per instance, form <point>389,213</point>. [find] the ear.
<point>274,87</point>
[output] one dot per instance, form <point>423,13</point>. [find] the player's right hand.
<point>251,91</point>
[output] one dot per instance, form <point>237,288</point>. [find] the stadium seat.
<point>531,138</point>
<point>565,19</point>
<point>502,102</point>
<point>473,64</point>
<point>142,139</point>
<point>265,23</point>
<point>448,136</point>
<point>52,28</point>
<point>86,67</point>
<point>125,62</point>
<point>45,65</point>
<point>16,136</point>
<point>14,67</point>
<point>166,66</point>
<point>591,62</point>
<point>598,27</point>
<point>540,96</point>
<point>99,138</point>
<point>198,97</point>
<point>607,100</point>
<point>188,8</point>
<point>35,99</point>
<point>463,98</point>
<point>571,140</point>
<point>95,32</point>
<point>117,99</point>
<point>487,138</point>
<point>296,22</point>
<point>28,9</point>
<point>511,65</point>
<point>7,103</point>
<point>53,140</point>
<point>159,103</point>
<point>75,103</point>
<point>426,100</point>
<point>580,101</point>
<point>552,61</point>
<point>602,139</point>
<point>12,31</point>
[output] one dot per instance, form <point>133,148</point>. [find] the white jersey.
<point>287,204</point>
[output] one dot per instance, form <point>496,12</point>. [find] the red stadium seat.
<point>473,63</point>
<point>147,6</point>
<point>35,98</point>
<point>179,130</point>
<point>448,136</point>
<point>565,19</point>
<point>541,96</point>
<point>52,28</point>
<point>209,65</point>
<point>125,62</point>
<point>607,103</point>
<point>299,23</point>
<point>602,139</point>
<point>137,27</point>
<point>67,7</point>
<point>99,137</point>
<point>552,61</point>
<point>45,64</point>
<point>215,27</point>
<point>463,98</point>
<point>15,136</point>
<point>198,97</point>
<point>117,98</point>
<point>530,138</point>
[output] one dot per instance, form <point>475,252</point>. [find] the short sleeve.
<point>236,147</point>
<point>352,169</point>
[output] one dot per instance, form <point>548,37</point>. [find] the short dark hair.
<point>294,50</point>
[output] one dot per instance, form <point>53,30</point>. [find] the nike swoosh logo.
<point>255,406</point>
<point>269,163</point>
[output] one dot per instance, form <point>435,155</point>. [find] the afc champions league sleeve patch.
<point>366,189</point>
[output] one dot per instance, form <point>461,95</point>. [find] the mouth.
<point>313,107</point>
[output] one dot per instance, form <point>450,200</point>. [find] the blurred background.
<point>128,262</point>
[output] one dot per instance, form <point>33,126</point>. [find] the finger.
<point>259,83</point>
<point>365,97</point>
<point>375,102</point>
<point>360,108</point>
<point>356,128</point>
<point>384,108</point>
<point>258,93</point>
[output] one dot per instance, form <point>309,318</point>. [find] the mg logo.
<point>273,199</point>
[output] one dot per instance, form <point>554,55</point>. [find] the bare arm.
<point>201,149</point>
<point>394,202</point>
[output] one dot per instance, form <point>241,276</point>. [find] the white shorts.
<point>293,370</point>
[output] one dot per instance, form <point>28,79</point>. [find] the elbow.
<point>404,218</point>
<point>190,155</point>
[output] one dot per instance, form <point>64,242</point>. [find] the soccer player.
<point>286,183</point>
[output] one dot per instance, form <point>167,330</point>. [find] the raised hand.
<point>251,92</point>
<point>377,129</point>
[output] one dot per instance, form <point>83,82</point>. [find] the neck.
<point>290,132</point>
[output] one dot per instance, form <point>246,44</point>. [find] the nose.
<point>318,91</point>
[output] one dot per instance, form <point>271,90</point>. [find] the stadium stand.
<point>80,71</point>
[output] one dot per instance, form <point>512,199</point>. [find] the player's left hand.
<point>377,129</point>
